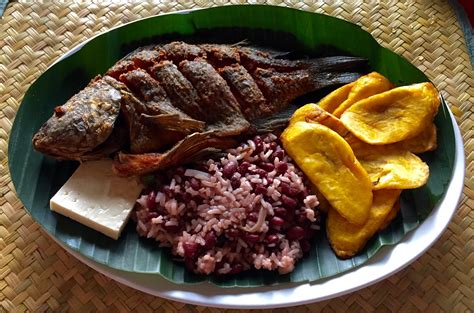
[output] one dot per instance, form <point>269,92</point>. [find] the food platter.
<point>380,265</point>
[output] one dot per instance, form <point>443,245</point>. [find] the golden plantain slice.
<point>366,86</point>
<point>313,113</point>
<point>328,161</point>
<point>391,215</point>
<point>335,98</point>
<point>423,142</point>
<point>394,115</point>
<point>323,202</point>
<point>395,170</point>
<point>347,239</point>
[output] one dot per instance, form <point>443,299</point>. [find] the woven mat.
<point>38,275</point>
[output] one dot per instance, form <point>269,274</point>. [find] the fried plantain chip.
<point>395,170</point>
<point>313,113</point>
<point>335,98</point>
<point>392,116</point>
<point>323,202</point>
<point>423,142</point>
<point>391,215</point>
<point>347,239</point>
<point>328,161</point>
<point>366,86</point>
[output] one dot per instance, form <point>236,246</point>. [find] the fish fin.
<point>183,152</point>
<point>174,122</point>
<point>325,79</point>
<point>337,64</point>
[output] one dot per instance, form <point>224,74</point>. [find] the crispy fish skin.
<point>251,99</point>
<point>139,58</point>
<point>184,96</point>
<point>178,51</point>
<point>151,92</point>
<point>83,122</point>
<point>220,106</point>
<point>221,55</point>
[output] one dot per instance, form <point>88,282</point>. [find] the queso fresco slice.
<point>96,197</point>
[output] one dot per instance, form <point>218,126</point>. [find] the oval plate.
<point>37,178</point>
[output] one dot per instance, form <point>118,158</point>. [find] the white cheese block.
<point>97,198</point>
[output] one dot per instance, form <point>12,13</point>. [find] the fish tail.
<point>338,64</point>
<point>325,80</point>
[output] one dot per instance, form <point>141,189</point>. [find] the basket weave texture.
<point>38,275</point>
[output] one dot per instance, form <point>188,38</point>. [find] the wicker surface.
<point>37,275</point>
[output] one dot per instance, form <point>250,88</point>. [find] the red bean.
<point>186,198</point>
<point>150,200</point>
<point>258,145</point>
<point>288,202</point>
<point>260,189</point>
<point>273,145</point>
<point>290,217</point>
<point>252,238</point>
<point>295,233</point>
<point>266,166</point>
<point>260,172</point>
<point>288,190</point>
<point>272,239</point>
<point>253,216</point>
<point>280,211</point>
<point>211,240</point>
<point>194,183</point>
<point>171,228</point>
<point>301,218</point>
<point>229,169</point>
<point>244,168</point>
<point>190,249</point>
<point>279,153</point>
<point>303,194</point>
<point>235,182</point>
<point>281,167</point>
<point>277,221</point>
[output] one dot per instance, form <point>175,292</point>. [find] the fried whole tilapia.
<point>162,105</point>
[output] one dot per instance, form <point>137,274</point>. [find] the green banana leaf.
<point>36,177</point>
